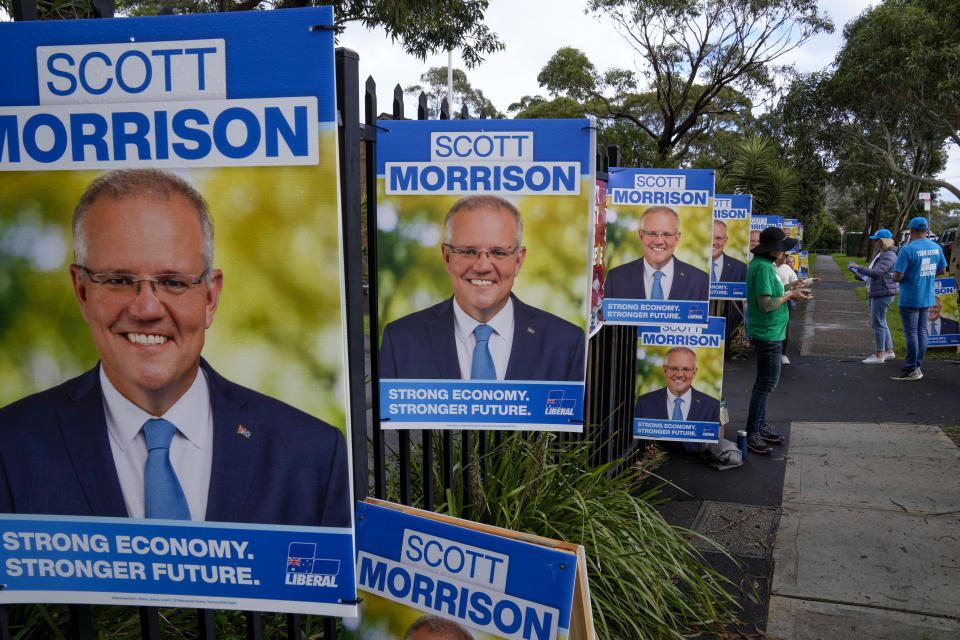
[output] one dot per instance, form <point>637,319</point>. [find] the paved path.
<point>868,543</point>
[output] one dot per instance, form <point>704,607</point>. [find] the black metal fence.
<point>610,361</point>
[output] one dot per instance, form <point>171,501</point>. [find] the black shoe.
<point>769,435</point>
<point>756,443</point>
<point>908,374</point>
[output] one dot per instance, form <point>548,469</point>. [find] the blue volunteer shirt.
<point>919,263</point>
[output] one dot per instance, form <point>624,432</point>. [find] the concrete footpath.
<point>868,542</point>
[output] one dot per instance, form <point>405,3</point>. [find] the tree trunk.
<point>873,219</point>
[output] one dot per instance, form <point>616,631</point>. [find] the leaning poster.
<point>172,361</point>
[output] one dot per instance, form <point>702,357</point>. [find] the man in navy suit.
<point>483,331</point>
<point>723,268</point>
<point>657,275</point>
<point>145,283</point>
<point>678,401</point>
<point>937,324</point>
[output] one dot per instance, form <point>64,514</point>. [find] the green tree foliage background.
<point>555,276</point>
<point>278,328</point>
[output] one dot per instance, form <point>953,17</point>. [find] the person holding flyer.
<point>917,267</point>
<point>767,319</point>
<point>880,292</point>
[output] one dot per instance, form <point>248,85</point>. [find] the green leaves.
<point>646,578</point>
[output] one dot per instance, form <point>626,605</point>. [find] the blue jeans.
<point>914,321</point>
<point>878,320</point>
<point>768,374</point>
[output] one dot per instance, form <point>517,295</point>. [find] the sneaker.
<point>889,355</point>
<point>770,436</point>
<point>756,444</point>
<point>784,359</point>
<point>874,360</point>
<point>906,374</point>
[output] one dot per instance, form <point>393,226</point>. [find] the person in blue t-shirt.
<point>918,265</point>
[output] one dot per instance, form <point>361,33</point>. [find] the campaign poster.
<point>731,237</point>
<point>599,247</point>
<point>803,269</point>
<point>757,224</point>
<point>679,382</point>
<point>659,226</point>
<point>942,318</point>
<point>485,269</point>
<point>475,581</point>
<point>199,303</point>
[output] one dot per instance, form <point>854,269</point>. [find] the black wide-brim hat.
<point>773,239</point>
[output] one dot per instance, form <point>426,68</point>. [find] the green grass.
<point>893,315</point>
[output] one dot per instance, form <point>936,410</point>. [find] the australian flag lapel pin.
<point>243,431</point>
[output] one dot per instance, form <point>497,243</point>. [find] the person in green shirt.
<point>767,318</point>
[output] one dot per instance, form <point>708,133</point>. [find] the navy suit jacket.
<point>947,326</point>
<point>733,270</point>
<point>653,406</point>
<point>56,459</point>
<point>422,345</point>
<point>626,281</point>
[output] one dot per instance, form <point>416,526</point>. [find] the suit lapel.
<point>525,340</point>
<point>84,429</point>
<point>443,343</point>
<point>678,288</point>
<point>642,279</point>
<point>234,456</point>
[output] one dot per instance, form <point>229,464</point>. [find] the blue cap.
<point>919,223</point>
<point>881,233</point>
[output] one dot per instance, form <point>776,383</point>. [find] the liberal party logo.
<point>558,405</point>
<point>695,314</point>
<point>303,568</point>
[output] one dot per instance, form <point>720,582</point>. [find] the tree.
<point>755,168</point>
<point>435,80</point>
<point>421,26</point>
<point>703,60</point>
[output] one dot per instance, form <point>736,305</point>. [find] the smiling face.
<point>935,310</point>
<point>719,238</point>
<point>754,238</point>
<point>149,343</point>
<point>658,248</point>
<point>482,284</point>
<point>679,381</point>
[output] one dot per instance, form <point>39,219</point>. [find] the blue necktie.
<point>162,491</point>
<point>933,329</point>
<point>677,411</point>
<point>713,272</point>
<point>482,367</point>
<point>657,293</point>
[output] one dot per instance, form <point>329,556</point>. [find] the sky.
<point>533,30</point>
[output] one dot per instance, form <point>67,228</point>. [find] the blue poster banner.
<point>659,226</point>
<point>731,231</point>
<point>943,329</point>
<point>137,138</point>
<point>486,237</point>
<point>459,404</point>
<point>679,382</point>
<point>486,581</point>
<point>169,563</point>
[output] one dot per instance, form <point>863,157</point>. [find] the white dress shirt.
<point>191,452</point>
<point>666,282</point>
<point>687,398</point>
<point>500,343</point>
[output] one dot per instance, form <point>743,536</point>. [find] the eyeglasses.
<point>683,370</point>
<point>127,285</point>
<point>660,235</point>
<point>718,238</point>
<point>469,253</point>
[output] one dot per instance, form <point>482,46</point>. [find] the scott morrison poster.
<point>942,326</point>
<point>659,224</point>
<point>485,236</point>
<point>731,236</point>
<point>457,579</point>
<point>679,382</point>
<point>171,338</point>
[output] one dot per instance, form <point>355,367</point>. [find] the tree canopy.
<point>435,87</point>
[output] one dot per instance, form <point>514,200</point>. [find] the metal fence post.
<point>348,111</point>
